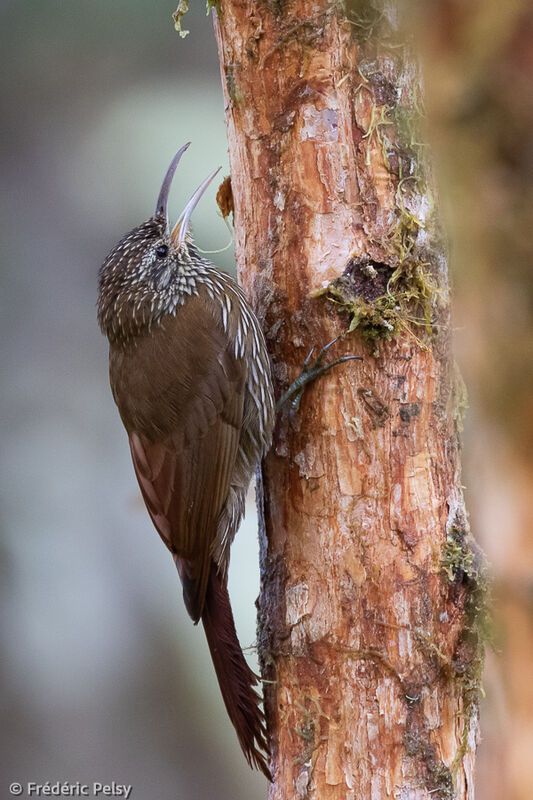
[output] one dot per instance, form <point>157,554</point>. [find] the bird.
<point>191,377</point>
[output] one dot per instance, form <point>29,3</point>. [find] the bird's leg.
<point>310,372</point>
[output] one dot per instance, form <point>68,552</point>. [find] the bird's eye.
<point>162,251</point>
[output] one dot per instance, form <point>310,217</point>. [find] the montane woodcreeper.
<point>190,375</point>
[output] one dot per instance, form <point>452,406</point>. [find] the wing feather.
<point>184,431</point>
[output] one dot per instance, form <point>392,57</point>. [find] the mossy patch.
<point>182,9</point>
<point>457,560</point>
<point>382,301</point>
<point>463,567</point>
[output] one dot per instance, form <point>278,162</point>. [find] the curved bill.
<point>180,229</point>
<point>162,200</point>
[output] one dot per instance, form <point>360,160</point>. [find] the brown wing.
<point>180,393</point>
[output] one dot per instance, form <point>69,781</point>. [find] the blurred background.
<point>103,677</point>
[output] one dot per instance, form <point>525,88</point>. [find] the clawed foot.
<point>310,372</point>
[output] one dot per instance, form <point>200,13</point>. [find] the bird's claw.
<point>310,372</point>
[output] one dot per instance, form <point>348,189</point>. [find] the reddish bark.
<point>369,582</point>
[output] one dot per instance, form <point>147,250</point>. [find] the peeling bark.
<point>369,617</point>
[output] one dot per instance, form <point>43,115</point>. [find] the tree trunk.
<point>371,612</point>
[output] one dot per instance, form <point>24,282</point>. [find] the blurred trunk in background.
<point>479,81</point>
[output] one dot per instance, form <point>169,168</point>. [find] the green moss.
<point>183,7</point>
<point>456,559</point>
<point>407,304</point>
<point>374,320</point>
<point>463,566</point>
<point>463,562</point>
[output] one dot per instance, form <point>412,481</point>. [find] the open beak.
<point>180,229</point>
<point>161,210</point>
<point>162,200</point>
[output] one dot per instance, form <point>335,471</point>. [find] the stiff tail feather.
<point>235,677</point>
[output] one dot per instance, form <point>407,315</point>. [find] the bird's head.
<point>152,268</point>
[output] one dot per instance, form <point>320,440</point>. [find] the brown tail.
<point>235,677</point>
